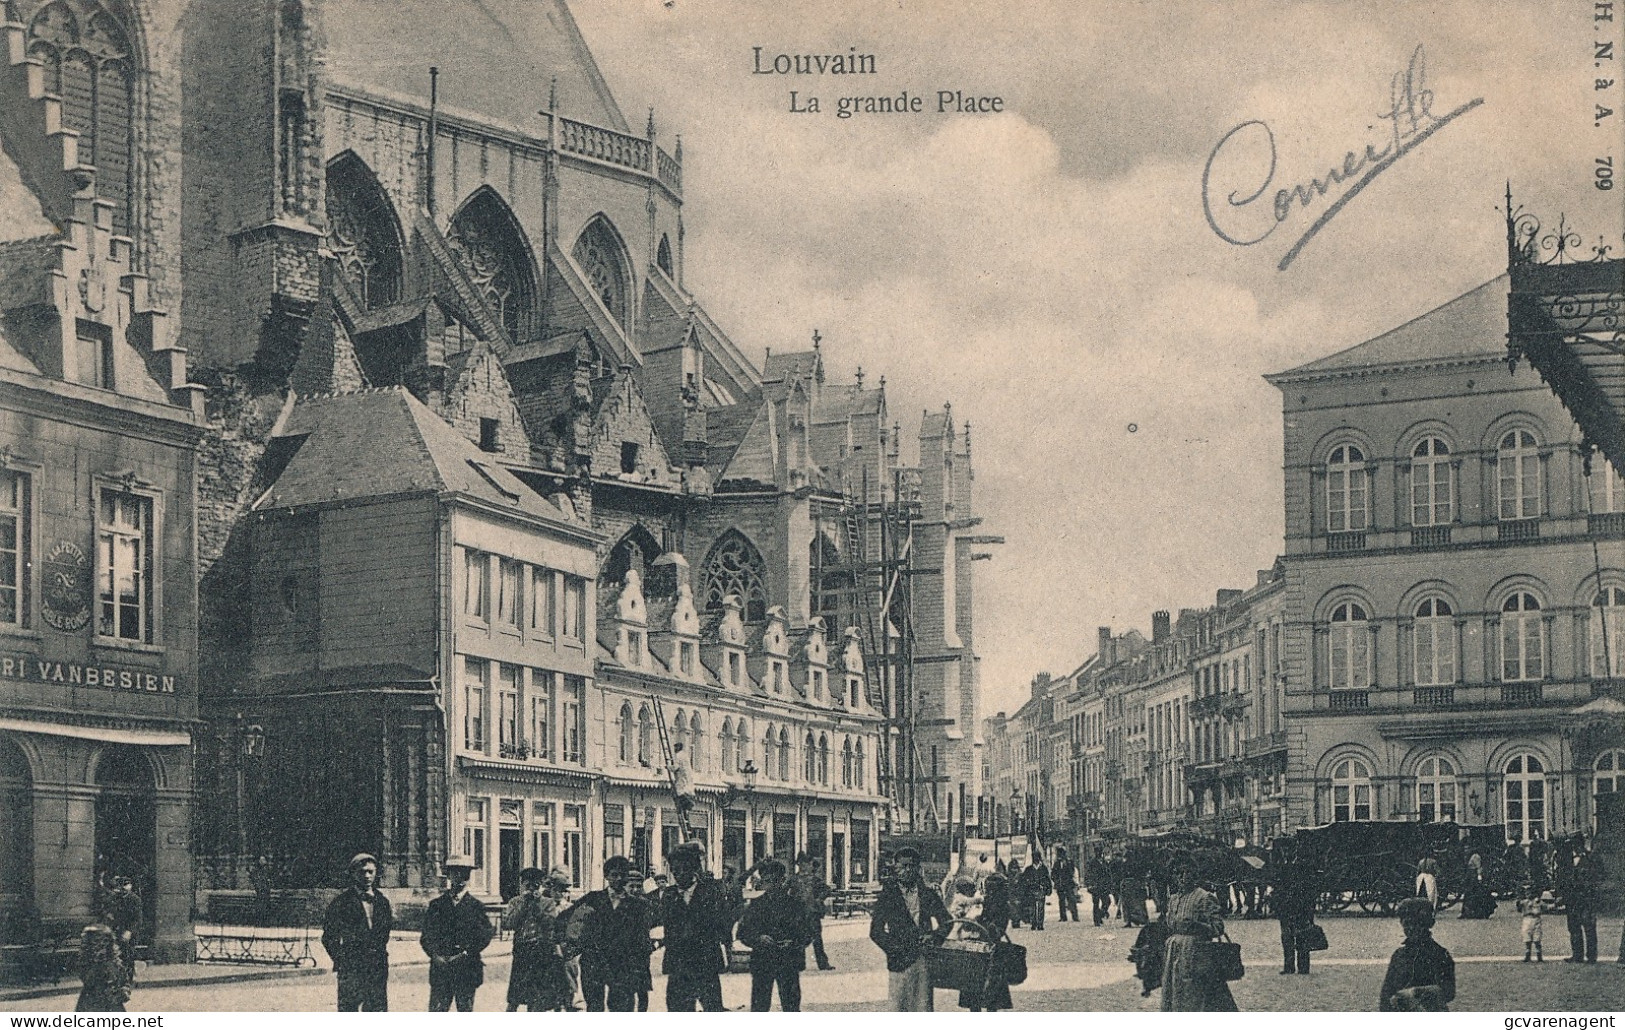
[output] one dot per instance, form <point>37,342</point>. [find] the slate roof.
<point>1472,325</point>
<point>375,443</point>
<point>496,57</point>
<point>838,403</point>
<point>784,366</point>
<point>725,430</point>
<point>23,264</point>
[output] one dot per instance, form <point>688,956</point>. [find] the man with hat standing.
<point>455,931</point>
<point>907,916</point>
<point>537,980</point>
<point>614,939</point>
<point>699,925</point>
<point>355,933</point>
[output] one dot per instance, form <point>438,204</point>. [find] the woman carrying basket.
<point>1193,919</point>
<point>994,994</point>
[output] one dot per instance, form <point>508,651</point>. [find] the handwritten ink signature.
<point>1410,110</point>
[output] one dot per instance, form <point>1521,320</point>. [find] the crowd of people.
<point>597,948</point>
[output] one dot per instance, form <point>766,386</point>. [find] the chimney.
<point>1103,642</point>
<point>1159,627</point>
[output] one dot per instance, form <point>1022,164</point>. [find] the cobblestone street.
<point>1072,967</point>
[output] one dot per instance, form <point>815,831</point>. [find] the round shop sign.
<point>65,587</point>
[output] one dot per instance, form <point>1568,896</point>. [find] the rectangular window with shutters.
<point>14,547</point>
<point>474,674</point>
<point>575,608</point>
<point>539,731</point>
<point>508,711</point>
<point>572,720</point>
<point>124,565</point>
<point>509,609</point>
<point>544,599</point>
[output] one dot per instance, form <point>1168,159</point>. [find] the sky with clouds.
<point>1050,269</point>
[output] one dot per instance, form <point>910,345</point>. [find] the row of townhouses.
<point>1441,640</point>
<point>370,480</point>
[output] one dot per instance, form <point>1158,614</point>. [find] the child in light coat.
<point>1531,906</point>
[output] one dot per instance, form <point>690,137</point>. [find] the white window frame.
<point>574,625</point>
<point>15,501</point>
<point>1349,635</point>
<point>1517,476</point>
<point>149,537</point>
<point>476,838</point>
<point>1436,789</point>
<point>1433,643</point>
<point>1433,492</point>
<point>1607,777</point>
<point>539,715</point>
<point>1522,639</point>
<point>1523,790</point>
<point>1348,492</point>
<point>1351,782</point>
<point>544,602</point>
<point>476,585</point>
<point>476,688</point>
<point>1608,617</point>
<point>572,721</point>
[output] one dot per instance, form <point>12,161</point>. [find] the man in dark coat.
<point>1579,890</point>
<point>1293,902</point>
<point>123,915</point>
<point>614,940</point>
<point>698,928</point>
<point>1018,893</point>
<point>777,926</point>
<point>355,933</point>
<point>455,931</point>
<point>907,915</point>
<point>809,887</point>
<point>1065,875</point>
<point>1038,887</point>
<point>1421,974</point>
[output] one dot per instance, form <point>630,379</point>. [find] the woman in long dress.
<point>1193,916</point>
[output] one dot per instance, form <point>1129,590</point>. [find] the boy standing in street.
<point>775,927</point>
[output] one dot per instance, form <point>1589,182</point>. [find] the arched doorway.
<point>127,826</point>
<point>16,843</point>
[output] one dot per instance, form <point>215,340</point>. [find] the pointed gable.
<point>625,444</point>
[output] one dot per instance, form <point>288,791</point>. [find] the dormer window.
<point>686,660</point>
<point>634,648</point>
<point>778,675</point>
<point>818,684</point>
<point>735,669</point>
<point>854,686</point>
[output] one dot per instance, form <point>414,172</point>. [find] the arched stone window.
<point>823,759</point>
<point>784,753</point>
<point>1517,465</point>
<point>1431,494</point>
<point>645,735</point>
<point>1607,777</point>
<point>809,759</point>
<point>1433,643</point>
<point>742,745</point>
<point>770,743</point>
<point>1436,790</point>
<point>1351,791</point>
<point>90,64</point>
<point>1350,652</point>
<point>1347,510</point>
<point>1523,639</point>
<point>696,749</point>
<point>635,550</point>
<point>725,745</point>
<point>663,256</point>
<point>602,257</point>
<point>846,762</point>
<point>858,766</point>
<point>362,232</point>
<point>679,734</point>
<point>734,566</point>
<point>493,251</point>
<point>626,751</point>
<point>1523,798</point>
<point>1608,632</point>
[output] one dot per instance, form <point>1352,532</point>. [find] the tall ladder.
<point>683,832</point>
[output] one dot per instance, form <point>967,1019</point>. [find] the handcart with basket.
<point>972,960</point>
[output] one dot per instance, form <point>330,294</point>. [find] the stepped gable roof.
<point>374,443</point>
<point>1472,325</point>
<point>496,57</point>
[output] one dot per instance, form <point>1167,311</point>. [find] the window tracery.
<point>494,256</point>
<point>600,256</point>
<point>362,232</point>
<point>734,566</point>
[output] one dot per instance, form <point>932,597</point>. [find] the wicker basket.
<point>960,964</point>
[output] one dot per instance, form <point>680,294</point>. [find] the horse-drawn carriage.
<point>1374,864</point>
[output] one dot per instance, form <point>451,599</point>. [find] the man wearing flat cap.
<point>455,931</point>
<point>698,925</point>
<point>355,933</point>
